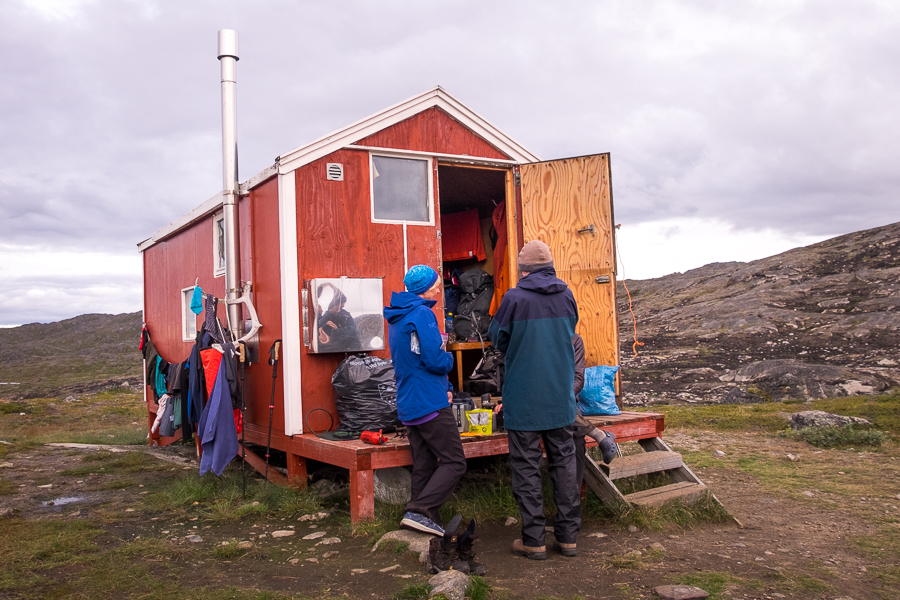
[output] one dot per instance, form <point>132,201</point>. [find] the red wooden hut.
<point>320,211</point>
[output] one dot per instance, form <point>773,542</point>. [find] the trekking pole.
<point>242,357</point>
<point>273,360</point>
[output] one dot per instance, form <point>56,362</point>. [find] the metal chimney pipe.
<point>228,57</point>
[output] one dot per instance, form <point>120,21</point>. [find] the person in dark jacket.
<point>534,326</point>
<point>423,398</point>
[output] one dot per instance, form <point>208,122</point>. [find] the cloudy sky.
<point>737,129</point>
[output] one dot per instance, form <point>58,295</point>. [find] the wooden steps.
<point>657,458</point>
<point>685,491</point>
<point>640,464</point>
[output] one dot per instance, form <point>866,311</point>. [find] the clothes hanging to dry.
<point>501,276</point>
<point>211,322</point>
<point>461,236</point>
<point>217,430</point>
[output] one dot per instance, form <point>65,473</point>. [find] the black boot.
<point>465,551</point>
<point>443,551</point>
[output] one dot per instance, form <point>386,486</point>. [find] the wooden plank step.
<point>684,490</point>
<point>639,464</point>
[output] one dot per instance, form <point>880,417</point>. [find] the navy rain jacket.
<point>420,366</point>
<point>534,326</point>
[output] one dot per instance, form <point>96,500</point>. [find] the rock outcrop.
<point>817,321</point>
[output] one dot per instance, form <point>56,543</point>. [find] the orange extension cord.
<point>630,309</point>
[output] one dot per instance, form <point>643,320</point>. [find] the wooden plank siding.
<point>170,266</point>
<point>433,130</point>
<point>337,238</point>
<point>262,235</point>
<point>559,198</point>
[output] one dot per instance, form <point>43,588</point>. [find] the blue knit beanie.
<point>419,279</point>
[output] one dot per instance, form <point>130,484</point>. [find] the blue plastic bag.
<point>598,397</point>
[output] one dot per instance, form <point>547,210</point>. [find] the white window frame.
<point>186,296</point>
<point>430,200</point>
<point>218,271</point>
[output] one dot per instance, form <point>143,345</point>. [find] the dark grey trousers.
<point>525,460</point>
<point>438,463</point>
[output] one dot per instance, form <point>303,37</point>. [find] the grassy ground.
<point>125,548</point>
<point>113,417</point>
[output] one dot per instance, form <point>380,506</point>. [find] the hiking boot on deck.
<point>608,447</point>
<point>565,549</point>
<point>532,552</point>
<point>421,523</point>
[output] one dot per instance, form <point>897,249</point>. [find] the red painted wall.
<point>337,238</point>
<point>433,130</point>
<point>262,240</point>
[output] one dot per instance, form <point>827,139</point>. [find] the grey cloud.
<point>760,114</point>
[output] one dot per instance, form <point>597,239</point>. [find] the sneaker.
<point>608,447</point>
<point>532,552</point>
<point>421,523</point>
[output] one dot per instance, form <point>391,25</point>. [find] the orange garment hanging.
<point>501,279</point>
<point>461,236</point>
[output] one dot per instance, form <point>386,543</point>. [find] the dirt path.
<point>786,549</point>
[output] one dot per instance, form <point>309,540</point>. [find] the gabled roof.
<point>436,96</point>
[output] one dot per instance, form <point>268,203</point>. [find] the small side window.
<point>188,318</point>
<point>219,245</point>
<point>401,190</point>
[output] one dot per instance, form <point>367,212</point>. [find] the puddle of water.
<point>62,501</point>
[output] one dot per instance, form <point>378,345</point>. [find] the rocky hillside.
<point>87,353</point>
<point>811,322</point>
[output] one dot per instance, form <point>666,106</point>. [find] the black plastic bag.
<point>365,394</point>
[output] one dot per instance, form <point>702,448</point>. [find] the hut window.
<point>188,318</point>
<point>400,190</point>
<point>219,245</point>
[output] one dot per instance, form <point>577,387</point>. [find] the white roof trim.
<point>390,116</point>
<point>210,206</point>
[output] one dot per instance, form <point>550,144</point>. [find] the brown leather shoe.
<point>532,552</point>
<point>566,549</point>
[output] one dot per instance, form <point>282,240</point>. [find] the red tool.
<point>370,437</point>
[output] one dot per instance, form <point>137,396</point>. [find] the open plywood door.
<point>567,204</point>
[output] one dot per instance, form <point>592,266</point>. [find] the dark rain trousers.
<point>525,459</point>
<point>438,463</point>
<point>581,428</point>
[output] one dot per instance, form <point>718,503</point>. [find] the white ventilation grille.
<point>334,171</point>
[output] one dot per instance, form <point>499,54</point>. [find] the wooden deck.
<point>362,459</point>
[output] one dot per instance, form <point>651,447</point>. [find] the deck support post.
<point>362,495</point>
<point>296,468</point>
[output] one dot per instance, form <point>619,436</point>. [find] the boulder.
<point>451,584</point>
<point>820,418</point>
<point>418,542</point>
<point>680,592</point>
<point>393,485</point>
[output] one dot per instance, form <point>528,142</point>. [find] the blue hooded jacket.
<point>420,364</point>
<point>216,429</point>
<point>534,326</point>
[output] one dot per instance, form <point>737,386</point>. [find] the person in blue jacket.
<point>534,325</point>
<point>423,398</point>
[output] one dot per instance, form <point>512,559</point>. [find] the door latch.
<point>588,228</point>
